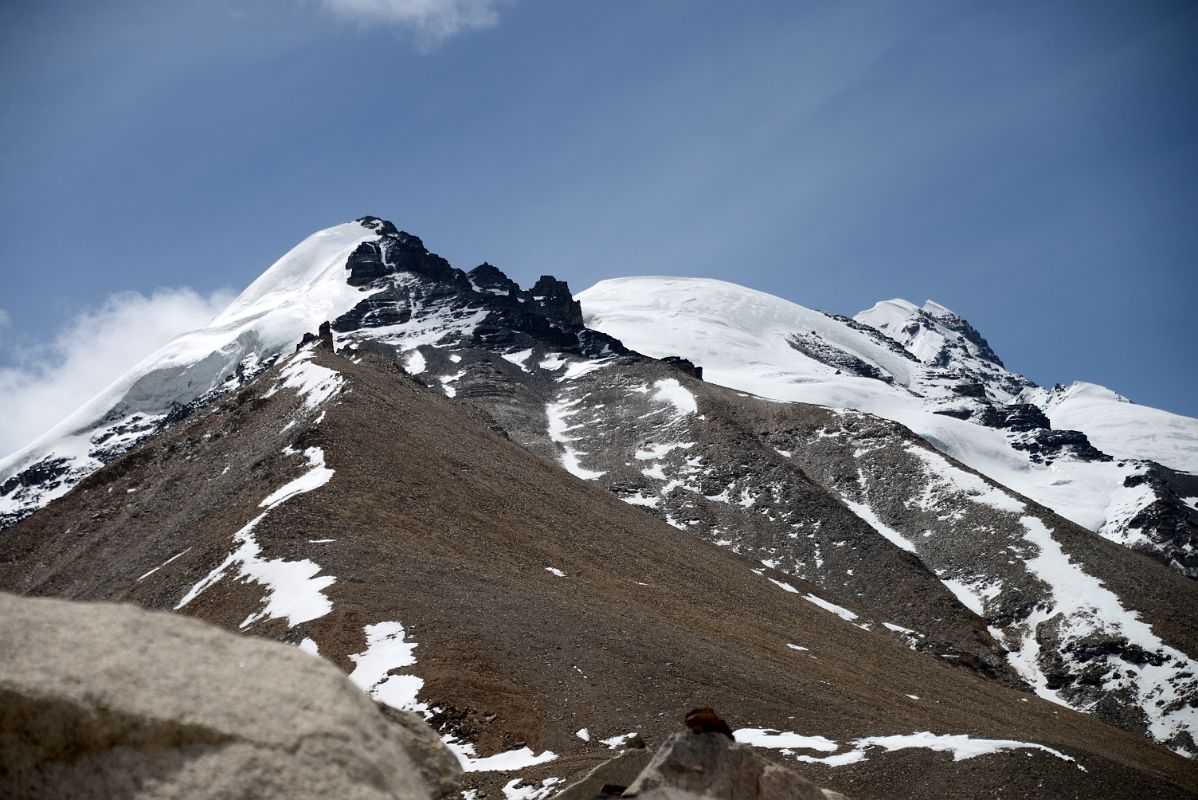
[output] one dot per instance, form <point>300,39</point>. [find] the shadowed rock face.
<point>1166,529</point>
<point>490,278</point>
<point>101,700</point>
<point>409,283</point>
<point>323,338</point>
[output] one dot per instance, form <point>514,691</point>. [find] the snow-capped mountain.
<point>265,320</point>
<point>1114,424</point>
<point>930,370</point>
<point>897,473</point>
<point>365,267</point>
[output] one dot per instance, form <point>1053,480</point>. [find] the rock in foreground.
<point>103,700</point>
<point>698,765</point>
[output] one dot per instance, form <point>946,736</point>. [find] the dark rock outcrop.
<point>411,282</point>
<point>1019,417</point>
<point>815,347</point>
<point>875,334</point>
<point>322,339</point>
<point>960,325</point>
<point>1046,445</point>
<point>44,475</point>
<point>1016,417</point>
<point>489,277</point>
<point>365,264</point>
<point>1169,524</point>
<point>558,302</point>
<point>684,365</point>
<point>705,720</point>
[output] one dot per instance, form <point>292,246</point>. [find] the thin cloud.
<point>431,21</point>
<point>97,345</point>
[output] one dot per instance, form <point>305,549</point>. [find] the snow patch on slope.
<point>509,761</point>
<point>890,534</point>
<point>387,649</point>
<point>313,479</point>
<point>557,414</point>
<point>962,746</point>
<point>293,589</point>
<point>519,358</point>
<point>827,605</point>
<point>973,594</point>
<point>512,790</point>
<point>672,392</point>
<point>770,739</point>
<point>944,477</point>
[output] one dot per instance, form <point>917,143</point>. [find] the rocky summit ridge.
<point>582,533</point>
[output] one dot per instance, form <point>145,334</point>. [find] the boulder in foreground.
<point>100,700</point>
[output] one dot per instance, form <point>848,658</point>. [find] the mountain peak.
<point>376,285</point>
<point>937,310</point>
<point>945,340</point>
<point>378,225</point>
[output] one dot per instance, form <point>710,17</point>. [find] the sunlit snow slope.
<point>1119,426</point>
<point>759,343</point>
<point>270,316</point>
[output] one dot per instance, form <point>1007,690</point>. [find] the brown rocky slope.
<point>433,521</point>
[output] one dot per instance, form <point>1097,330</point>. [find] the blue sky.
<point>1032,165</point>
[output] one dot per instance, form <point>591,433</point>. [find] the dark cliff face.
<point>396,253</point>
<point>962,327</point>
<point>1169,525</point>
<point>490,278</point>
<point>408,279</point>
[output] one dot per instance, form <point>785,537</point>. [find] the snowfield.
<point>294,589</point>
<point>1120,427</point>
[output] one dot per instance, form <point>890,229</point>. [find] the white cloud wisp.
<point>432,21</point>
<point>46,382</point>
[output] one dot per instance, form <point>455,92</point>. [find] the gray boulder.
<point>619,771</point>
<point>712,765</point>
<point>100,700</point>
